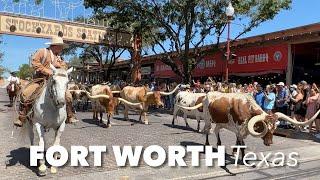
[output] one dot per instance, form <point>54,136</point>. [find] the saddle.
<point>35,94</point>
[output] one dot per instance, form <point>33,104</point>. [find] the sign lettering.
<point>27,26</point>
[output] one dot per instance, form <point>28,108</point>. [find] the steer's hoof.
<point>146,123</point>
<point>53,170</point>
<point>108,125</point>
<point>42,170</point>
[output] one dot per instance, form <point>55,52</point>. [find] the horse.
<point>49,111</point>
<point>12,89</point>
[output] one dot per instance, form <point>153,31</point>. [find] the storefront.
<point>289,55</point>
<point>250,62</point>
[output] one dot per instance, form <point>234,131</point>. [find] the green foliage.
<point>25,71</point>
<point>183,26</point>
<point>75,61</point>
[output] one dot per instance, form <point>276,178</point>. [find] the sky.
<point>17,49</point>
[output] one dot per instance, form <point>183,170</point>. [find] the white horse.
<point>49,111</point>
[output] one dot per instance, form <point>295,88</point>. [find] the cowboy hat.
<point>280,84</point>
<point>57,41</point>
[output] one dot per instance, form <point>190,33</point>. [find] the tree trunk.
<point>136,71</point>
<point>106,75</point>
<point>187,70</point>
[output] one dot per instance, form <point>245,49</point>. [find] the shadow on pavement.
<point>228,158</point>
<point>181,127</point>
<point>190,143</point>
<point>20,156</point>
<point>133,121</point>
<point>95,122</point>
<point>294,134</point>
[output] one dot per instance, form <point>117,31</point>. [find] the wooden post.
<point>136,59</point>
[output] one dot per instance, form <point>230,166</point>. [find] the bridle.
<point>53,91</point>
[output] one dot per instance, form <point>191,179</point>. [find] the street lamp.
<point>229,13</point>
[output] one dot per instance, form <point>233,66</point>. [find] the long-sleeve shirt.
<point>12,79</point>
<point>42,59</point>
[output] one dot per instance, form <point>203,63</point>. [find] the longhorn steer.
<point>141,95</point>
<point>103,104</point>
<point>79,97</point>
<point>188,99</point>
<point>239,113</point>
<point>103,100</point>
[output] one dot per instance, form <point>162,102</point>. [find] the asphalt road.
<point>14,151</point>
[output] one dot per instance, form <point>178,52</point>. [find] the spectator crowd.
<point>300,101</point>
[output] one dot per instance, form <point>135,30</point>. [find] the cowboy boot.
<point>22,116</point>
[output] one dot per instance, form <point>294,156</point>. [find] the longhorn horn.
<point>169,93</point>
<point>130,103</point>
<point>149,93</point>
<point>114,92</point>
<point>98,96</point>
<point>253,121</point>
<point>76,91</point>
<point>191,108</point>
<point>294,121</point>
<point>90,96</point>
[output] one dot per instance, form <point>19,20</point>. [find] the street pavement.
<point>14,151</point>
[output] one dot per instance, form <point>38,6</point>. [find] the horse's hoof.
<point>42,170</point>
<point>108,125</point>
<point>53,170</point>
<point>146,123</point>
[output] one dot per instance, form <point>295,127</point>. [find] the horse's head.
<point>57,85</point>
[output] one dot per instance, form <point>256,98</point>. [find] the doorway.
<point>306,62</point>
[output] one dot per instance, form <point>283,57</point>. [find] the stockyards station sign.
<point>70,31</point>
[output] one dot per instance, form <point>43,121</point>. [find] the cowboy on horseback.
<point>13,80</point>
<point>13,87</point>
<point>41,61</point>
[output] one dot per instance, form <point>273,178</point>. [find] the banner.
<point>258,59</point>
<point>248,60</point>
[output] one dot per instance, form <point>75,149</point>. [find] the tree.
<point>25,71</point>
<point>106,56</point>
<point>178,28</point>
<point>75,61</point>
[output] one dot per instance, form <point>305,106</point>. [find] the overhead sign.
<point>70,31</point>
